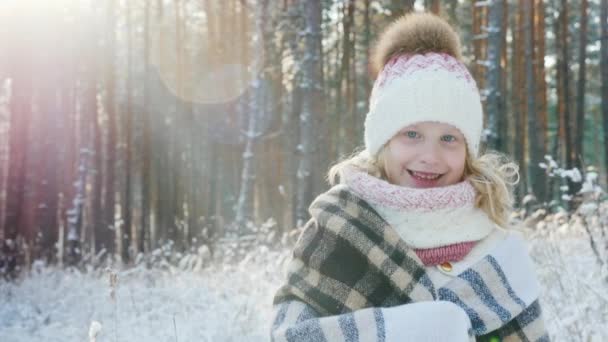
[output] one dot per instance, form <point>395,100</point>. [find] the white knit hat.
<point>421,78</point>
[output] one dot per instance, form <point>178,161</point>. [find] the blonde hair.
<point>493,175</point>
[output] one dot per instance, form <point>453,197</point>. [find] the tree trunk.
<point>311,79</point>
<point>76,212</point>
<point>579,124</point>
<point>46,156</point>
<point>541,94</point>
<point>126,205</point>
<point>245,201</point>
<point>143,241</point>
<point>107,236</point>
<point>535,137</point>
<point>540,68</point>
<point>565,107</point>
<point>19,212</point>
<point>518,107</point>
<point>345,86</point>
<point>503,105</point>
<point>367,43</point>
<point>20,117</point>
<point>400,7</point>
<point>434,6</point>
<point>604,68</point>
<point>480,43</point>
<point>91,111</point>
<point>452,6</point>
<point>494,73</point>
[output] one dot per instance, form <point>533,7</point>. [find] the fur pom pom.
<point>415,33</point>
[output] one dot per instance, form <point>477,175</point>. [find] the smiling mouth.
<point>425,176</point>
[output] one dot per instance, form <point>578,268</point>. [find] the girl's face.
<point>426,154</point>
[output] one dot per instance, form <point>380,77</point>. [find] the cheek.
<point>457,162</point>
<point>396,155</point>
<point>394,163</point>
<point>399,152</point>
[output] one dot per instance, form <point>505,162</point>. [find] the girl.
<point>410,245</point>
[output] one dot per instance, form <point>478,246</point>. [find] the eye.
<point>448,138</point>
<point>411,134</point>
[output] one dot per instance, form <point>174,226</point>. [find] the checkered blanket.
<point>348,258</point>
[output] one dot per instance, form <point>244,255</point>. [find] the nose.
<point>429,153</point>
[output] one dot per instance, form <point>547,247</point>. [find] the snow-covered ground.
<point>233,302</point>
<point>218,303</point>
<point>575,281</point>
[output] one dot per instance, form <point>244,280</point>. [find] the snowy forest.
<point>157,157</point>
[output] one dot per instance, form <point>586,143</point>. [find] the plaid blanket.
<point>348,258</point>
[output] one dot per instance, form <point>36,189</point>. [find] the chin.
<point>411,184</point>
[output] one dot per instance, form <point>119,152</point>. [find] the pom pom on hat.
<point>421,77</point>
<point>415,33</point>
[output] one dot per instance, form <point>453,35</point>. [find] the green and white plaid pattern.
<point>348,258</point>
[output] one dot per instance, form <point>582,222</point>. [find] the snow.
<point>224,302</point>
<point>94,330</point>
<point>575,283</point>
<point>231,301</point>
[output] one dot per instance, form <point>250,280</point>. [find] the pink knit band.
<point>407,64</point>
<point>439,255</point>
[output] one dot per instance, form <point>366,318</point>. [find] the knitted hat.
<point>421,78</point>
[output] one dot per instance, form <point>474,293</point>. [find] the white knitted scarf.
<point>424,217</point>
